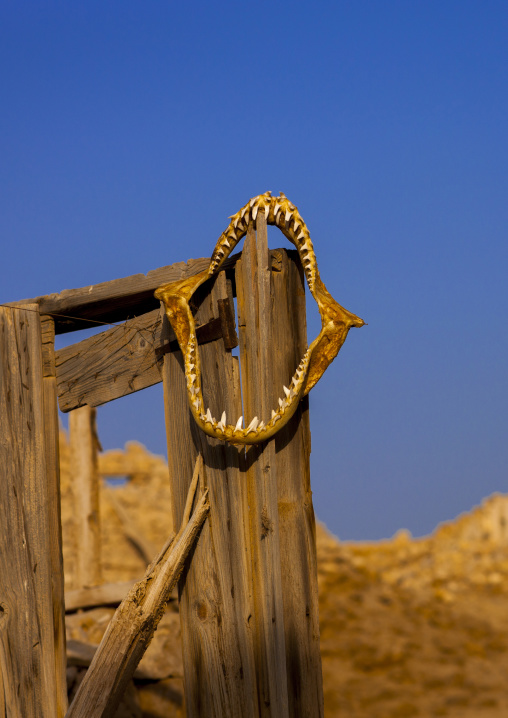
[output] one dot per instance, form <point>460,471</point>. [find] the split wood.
<point>134,622</point>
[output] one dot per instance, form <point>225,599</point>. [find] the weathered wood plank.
<point>120,361</point>
<point>296,513</point>
<point>85,491</point>
<point>112,301</point>
<point>132,627</point>
<point>257,357</point>
<point>27,654</point>
<point>111,364</point>
<point>52,448</point>
<point>215,601</point>
<point>118,299</point>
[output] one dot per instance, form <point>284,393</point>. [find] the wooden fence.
<point>248,592</point>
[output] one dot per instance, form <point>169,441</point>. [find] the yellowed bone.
<point>335,322</point>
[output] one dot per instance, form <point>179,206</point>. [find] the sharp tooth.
<point>281,403</point>
<point>195,404</point>
<point>255,212</point>
<point>267,211</point>
<point>288,215</point>
<point>276,208</point>
<point>223,418</point>
<point>191,366</point>
<point>192,377</point>
<point>252,425</point>
<point>286,390</point>
<point>301,235</point>
<point>297,224</point>
<point>225,241</point>
<point>209,416</point>
<point>276,418</point>
<point>253,201</point>
<point>261,426</point>
<point>244,209</point>
<point>274,413</point>
<point>239,423</point>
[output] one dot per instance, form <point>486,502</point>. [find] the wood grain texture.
<point>116,300</point>
<point>52,449</point>
<point>257,357</point>
<point>112,301</point>
<point>85,492</point>
<point>215,600</point>
<point>27,654</point>
<point>124,359</point>
<point>132,627</point>
<point>296,513</point>
<point>111,364</point>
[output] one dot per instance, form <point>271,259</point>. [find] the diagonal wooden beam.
<point>123,359</point>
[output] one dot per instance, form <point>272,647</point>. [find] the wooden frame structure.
<point>248,596</point>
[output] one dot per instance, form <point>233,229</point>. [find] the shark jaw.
<point>335,323</point>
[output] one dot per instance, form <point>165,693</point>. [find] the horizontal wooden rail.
<point>119,299</point>
<point>112,301</point>
<point>127,358</point>
<point>123,359</point>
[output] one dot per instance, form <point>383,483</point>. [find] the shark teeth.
<point>255,212</point>
<point>252,426</point>
<point>239,423</point>
<point>209,416</point>
<point>222,423</point>
<point>225,241</point>
<point>286,391</point>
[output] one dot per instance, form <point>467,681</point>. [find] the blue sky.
<point>129,132</point>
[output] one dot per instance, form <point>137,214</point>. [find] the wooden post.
<point>297,524</point>
<point>216,607</point>
<point>28,664</point>
<point>85,489</point>
<point>257,356</point>
<point>248,600</point>
<point>52,444</point>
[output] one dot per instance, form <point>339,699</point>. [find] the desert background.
<point>409,626</point>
